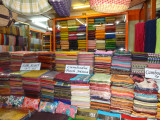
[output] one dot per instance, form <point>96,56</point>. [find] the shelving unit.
<point>47,42</point>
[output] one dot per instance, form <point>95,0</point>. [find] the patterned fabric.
<point>31,103</point>
<point>3,100</point>
<point>47,107</point>
<point>28,7</point>
<point>66,109</point>
<point>15,101</point>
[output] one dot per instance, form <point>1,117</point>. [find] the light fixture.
<point>84,6</point>
<point>42,25</point>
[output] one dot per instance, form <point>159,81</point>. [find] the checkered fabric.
<point>28,7</point>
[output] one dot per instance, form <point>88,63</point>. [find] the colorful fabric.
<point>31,103</point>
<point>47,107</point>
<point>15,101</point>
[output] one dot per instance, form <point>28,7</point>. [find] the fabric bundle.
<point>4,84</point>
<point>99,20</point>
<point>158,104</point>
<point>4,61</point>
<point>91,21</point>
<point>102,61</point>
<point>64,44</point>
<point>110,19</point>
<point>139,63</point>
<point>153,61</point>
<point>47,60</point>
<point>31,83</point>
<point>146,97</point>
<point>121,63</point>
<point>91,45</point>
<point>81,44</point>
<point>122,94</point>
<point>100,91</point>
<point>86,58</point>
<point>73,44</point>
<point>81,28</point>
<point>81,21</point>
<point>47,86</point>
<point>100,44</point>
<point>100,32</point>
<point>65,58</point>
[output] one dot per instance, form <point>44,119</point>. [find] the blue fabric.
<point>82,78</point>
<point>108,114</point>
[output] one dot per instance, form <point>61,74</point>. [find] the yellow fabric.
<point>34,73</point>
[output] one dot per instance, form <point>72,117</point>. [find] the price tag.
<point>30,66</point>
<point>77,69</point>
<point>152,73</point>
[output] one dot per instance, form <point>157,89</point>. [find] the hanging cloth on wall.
<point>158,37</point>
<point>150,36</point>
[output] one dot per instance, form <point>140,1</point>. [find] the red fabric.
<point>65,76</point>
<point>131,118</point>
<point>139,37</point>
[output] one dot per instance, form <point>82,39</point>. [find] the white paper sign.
<point>152,73</point>
<point>77,69</point>
<point>30,66</point>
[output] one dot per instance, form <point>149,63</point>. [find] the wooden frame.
<point>90,16</point>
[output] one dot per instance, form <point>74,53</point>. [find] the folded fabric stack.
<point>158,104</point>
<point>81,44</point>
<point>47,60</point>
<point>110,19</point>
<point>145,97</point>
<point>80,91</point>
<point>122,91</point>
<point>153,61</point>
<point>31,83</point>
<point>81,21</point>
<point>47,86</point>
<point>71,22</point>
<point>100,44</point>
<point>91,21</point>
<point>19,57</point>
<point>86,58</point>
<point>139,63</point>
<point>81,28</point>
<point>64,44</point>
<point>4,61</point>
<point>102,61</point>
<point>99,20</point>
<point>100,91</point>
<point>121,63</point>
<point>65,58</point>
<point>16,85</point>
<point>91,45</point>
<point>4,84</point>
<point>100,32</point>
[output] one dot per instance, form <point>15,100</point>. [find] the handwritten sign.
<point>77,69</point>
<point>152,73</point>
<point>30,66</point>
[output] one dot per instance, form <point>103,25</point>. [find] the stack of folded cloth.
<point>81,44</point>
<point>158,104</point>
<point>91,21</point>
<point>4,84</point>
<point>63,23</point>
<point>122,94</point>
<point>81,21</point>
<point>47,86</point>
<point>102,61</point>
<point>16,85</point>
<point>4,61</point>
<point>64,35</point>
<point>100,91</point>
<point>81,28</point>
<point>80,91</point>
<point>65,58</point>
<point>73,28</point>
<point>91,45</point>
<point>153,61</point>
<point>64,44</point>
<point>146,97</point>
<point>100,32</point>
<point>73,44</point>
<point>120,35</point>
<point>19,57</point>
<point>110,19</point>
<point>121,63</point>
<point>71,22</point>
<point>62,88</point>
<point>99,20</point>
<point>86,58</point>
<point>47,60</point>
<point>100,44</point>
<point>139,62</point>
<point>31,83</point>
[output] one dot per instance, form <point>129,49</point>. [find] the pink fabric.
<point>31,103</point>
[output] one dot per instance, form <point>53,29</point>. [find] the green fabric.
<point>158,37</point>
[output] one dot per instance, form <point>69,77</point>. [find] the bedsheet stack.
<point>102,62</point>
<point>31,83</point>
<point>121,63</point>
<point>86,58</point>
<point>4,84</point>
<point>146,97</point>
<point>80,91</point>
<point>100,91</point>
<point>65,58</point>
<point>4,61</point>
<point>139,63</point>
<point>47,86</point>
<point>122,92</point>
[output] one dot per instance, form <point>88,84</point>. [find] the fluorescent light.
<point>39,19</point>
<point>50,29</point>
<point>84,6</point>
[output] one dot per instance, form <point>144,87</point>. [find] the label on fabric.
<point>77,69</point>
<point>30,66</point>
<point>152,73</point>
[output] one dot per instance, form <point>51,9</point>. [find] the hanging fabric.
<point>158,37</point>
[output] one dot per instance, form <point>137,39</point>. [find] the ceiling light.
<point>84,6</point>
<point>39,19</point>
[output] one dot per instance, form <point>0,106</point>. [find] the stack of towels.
<point>122,91</point>
<point>100,91</point>
<point>4,61</point>
<point>102,61</point>
<point>80,91</point>
<point>121,63</point>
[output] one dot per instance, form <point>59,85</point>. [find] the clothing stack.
<point>121,63</point>
<point>65,58</point>
<point>62,88</point>
<point>146,97</point>
<point>122,91</point>
<point>86,58</point>
<point>31,83</point>
<point>80,91</point>
<point>102,61</point>
<point>4,61</point>
<point>47,86</point>
<point>100,91</point>
<point>4,84</point>
<point>100,44</point>
<point>19,57</point>
<point>46,59</point>
<point>139,63</point>
<point>153,61</point>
